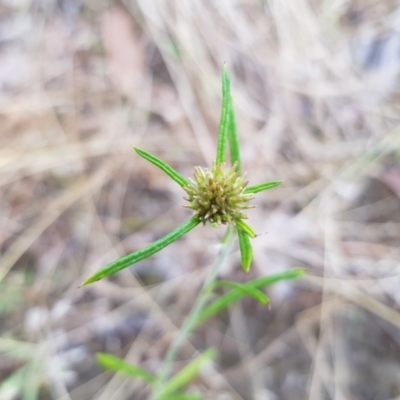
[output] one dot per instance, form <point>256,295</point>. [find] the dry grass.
<point>316,90</point>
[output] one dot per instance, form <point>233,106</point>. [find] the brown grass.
<point>315,86</point>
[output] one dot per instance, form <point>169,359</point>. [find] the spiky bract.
<point>218,196</point>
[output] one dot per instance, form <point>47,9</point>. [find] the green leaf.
<point>25,383</point>
<point>186,375</point>
<point>246,251</point>
<point>176,176</point>
<point>233,138</point>
<point>108,361</point>
<point>259,283</point>
<point>262,186</point>
<point>225,116</point>
<point>184,396</point>
<point>33,379</point>
<point>245,227</point>
<point>13,386</point>
<point>246,289</point>
<point>141,254</point>
<point>16,349</point>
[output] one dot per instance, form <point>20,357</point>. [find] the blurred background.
<point>315,85</point>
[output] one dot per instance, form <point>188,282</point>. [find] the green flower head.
<point>218,195</point>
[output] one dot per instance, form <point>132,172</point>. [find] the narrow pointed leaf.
<point>108,361</point>
<point>14,383</point>
<point>32,382</point>
<point>141,254</point>
<point>225,117</point>
<point>233,138</point>
<point>16,349</point>
<point>246,251</point>
<point>186,375</point>
<point>176,176</point>
<point>246,289</point>
<point>245,227</point>
<point>262,186</point>
<point>259,283</point>
<point>19,384</point>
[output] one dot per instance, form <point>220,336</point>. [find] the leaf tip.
<point>88,281</point>
<point>247,260</point>
<point>266,300</point>
<point>246,268</point>
<point>226,76</point>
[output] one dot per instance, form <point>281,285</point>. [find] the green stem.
<point>191,321</point>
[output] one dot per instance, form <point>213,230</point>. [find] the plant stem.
<point>191,320</point>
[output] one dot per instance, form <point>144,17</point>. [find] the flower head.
<point>218,196</point>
